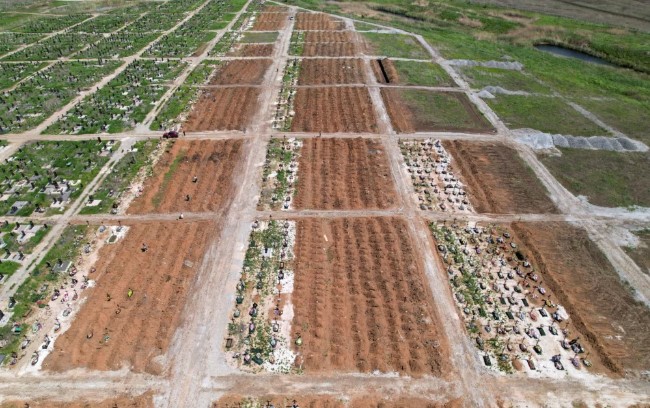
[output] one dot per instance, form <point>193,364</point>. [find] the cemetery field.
<point>270,21</point>
<point>338,174</point>
<point>252,50</point>
<point>213,163</point>
<point>131,330</point>
<point>46,177</point>
<point>325,401</point>
<point>332,110</point>
<point>603,309</point>
<point>498,180</point>
<point>363,273</point>
<point>143,401</point>
<point>318,22</point>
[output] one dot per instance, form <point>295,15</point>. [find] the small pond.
<point>565,52</point>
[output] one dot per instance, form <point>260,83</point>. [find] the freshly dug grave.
<point>133,331</point>
<point>333,49</point>
<point>270,21</point>
<point>211,161</point>
<point>361,301</point>
<point>327,71</point>
<point>385,71</point>
<point>497,179</point>
<point>252,50</point>
<point>602,308</point>
<point>331,110</point>
<point>324,401</point>
<point>421,111</point>
<point>223,109</point>
<point>337,174</point>
<point>317,21</point>
<point>241,72</point>
<point>143,401</point>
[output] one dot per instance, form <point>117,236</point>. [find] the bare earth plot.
<point>344,174</point>
<point>212,162</point>
<point>223,109</point>
<point>585,283</point>
<point>498,180</point>
<point>412,110</point>
<point>113,330</point>
<point>244,72</point>
<point>252,50</point>
<point>331,110</point>
<point>331,71</point>
<point>322,401</point>
<point>318,21</point>
<point>270,21</point>
<point>143,401</point>
<point>361,301</point>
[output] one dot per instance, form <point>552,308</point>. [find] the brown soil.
<point>406,119</point>
<point>361,301</point>
<point>497,179</point>
<point>223,109</point>
<point>268,8</point>
<point>330,37</point>
<point>323,401</point>
<point>388,75</point>
<point>329,50</point>
<point>317,21</point>
<point>212,161</point>
<point>336,109</point>
<point>270,21</point>
<point>331,71</point>
<point>143,401</point>
<point>338,174</point>
<point>140,328</point>
<point>244,72</point>
<point>641,254</point>
<point>600,306</point>
<point>252,50</point>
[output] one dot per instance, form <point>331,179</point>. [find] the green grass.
<point>7,268</point>
<point>608,179</point>
<point>261,37</point>
<point>10,239</point>
<point>10,74</point>
<point>627,115</point>
<point>546,114</point>
<point>480,77</point>
<point>361,26</point>
<point>121,176</point>
<point>422,73</point>
<point>433,110</point>
<point>395,45</point>
<point>641,254</point>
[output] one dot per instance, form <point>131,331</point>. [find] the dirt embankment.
<point>331,71</point>
<point>340,174</point>
<point>600,306</point>
<point>113,330</point>
<point>361,300</point>
<point>223,109</point>
<point>211,161</point>
<point>241,72</point>
<point>385,72</point>
<point>497,179</point>
<point>318,21</point>
<point>336,109</point>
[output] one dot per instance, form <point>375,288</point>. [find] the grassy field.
<point>437,109</point>
<point>265,37</point>
<point>422,73</point>
<point>608,179</point>
<point>395,45</point>
<point>641,254</point>
<point>480,77</point>
<point>550,115</point>
<point>626,115</point>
